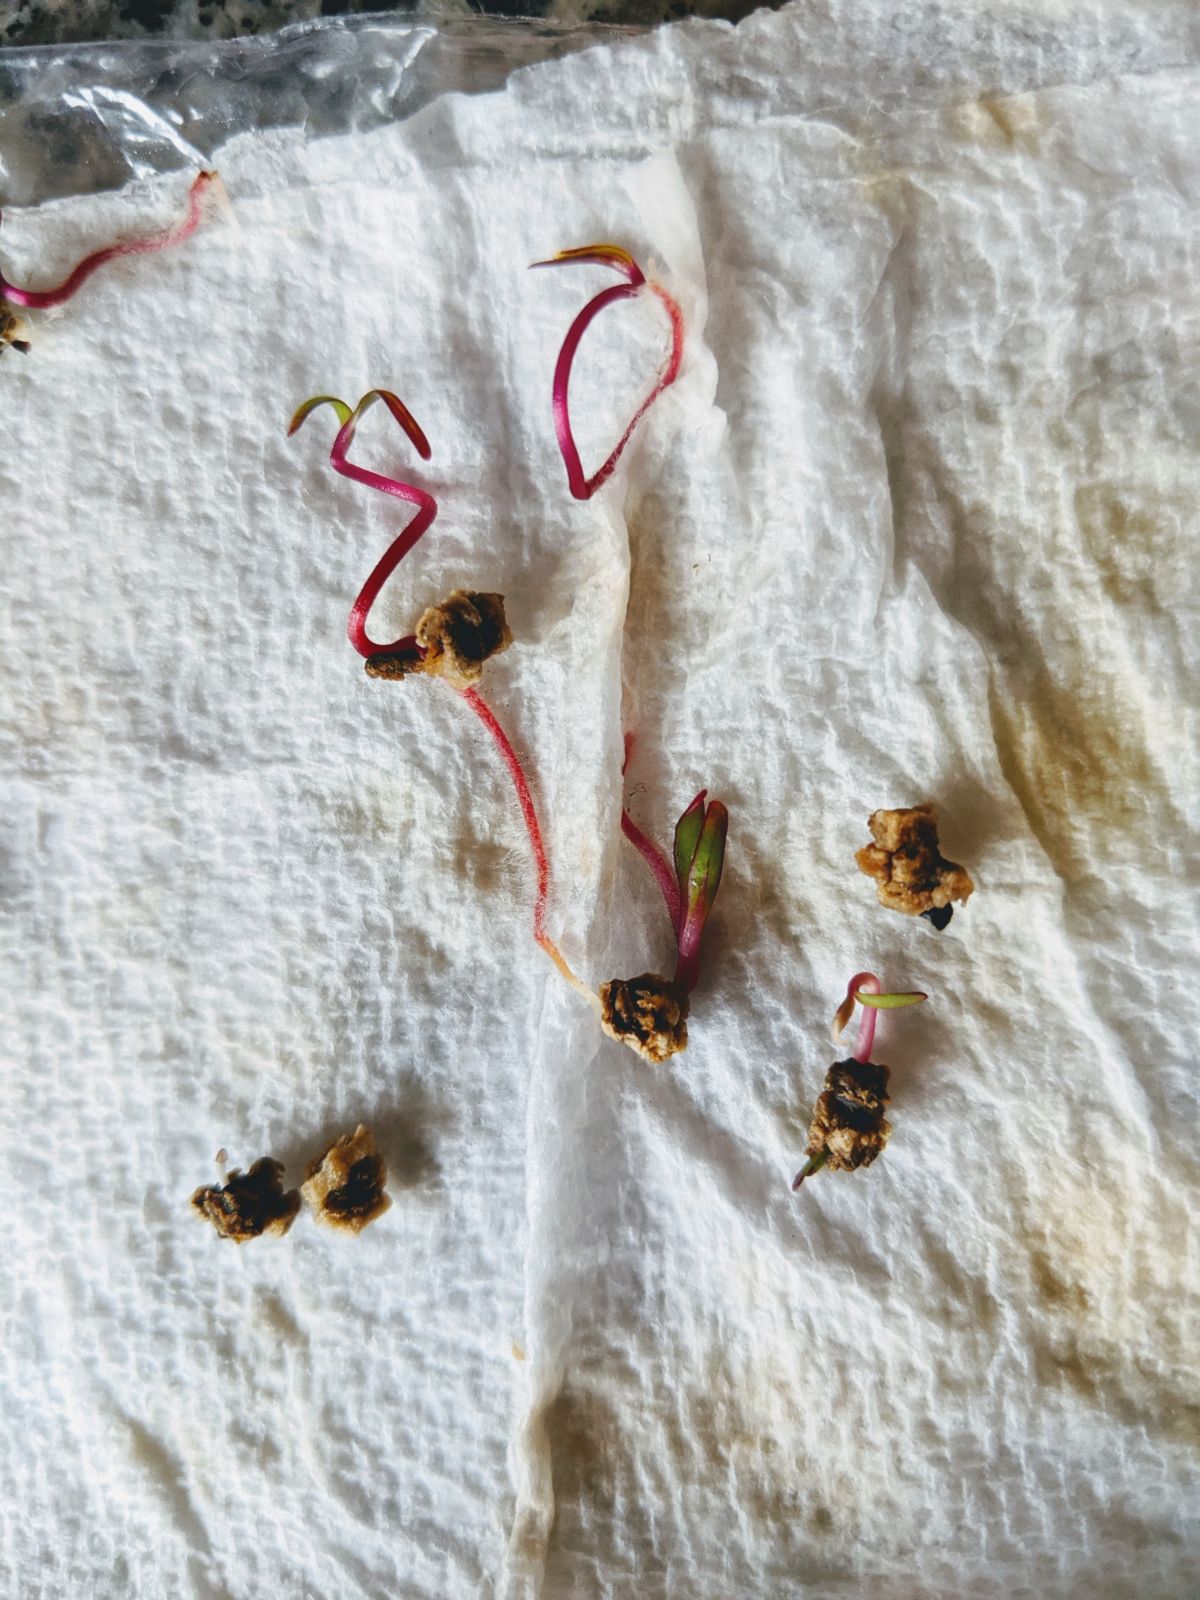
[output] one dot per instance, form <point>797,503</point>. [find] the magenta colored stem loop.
<point>396,487</point>
<point>580,485</point>
<point>42,299</point>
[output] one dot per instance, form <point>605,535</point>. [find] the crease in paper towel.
<point>669,226</point>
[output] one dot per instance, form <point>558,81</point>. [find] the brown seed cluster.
<point>250,1203</point>
<point>461,634</point>
<point>848,1127</point>
<point>911,873</point>
<point>454,640</point>
<point>345,1186</point>
<point>648,1013</point>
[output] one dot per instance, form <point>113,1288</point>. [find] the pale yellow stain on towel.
<point>1111,1318</point>
<point>997,122</point>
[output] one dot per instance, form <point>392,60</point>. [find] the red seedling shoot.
<point>689,886</point>
<point>537,845</point>
<point>863,989</point>
<point>367,647</point>
<point>607,255</point>
<point>399,490</point>
<point>41,299</point>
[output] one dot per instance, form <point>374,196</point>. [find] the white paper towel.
<point>916,522</point>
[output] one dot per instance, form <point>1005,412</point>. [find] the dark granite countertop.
<point>32,22</point>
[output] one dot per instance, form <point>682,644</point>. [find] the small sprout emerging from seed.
<point>649,1013</point>
<point>849,1128</point>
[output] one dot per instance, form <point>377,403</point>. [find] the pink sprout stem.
<point>868,983</point>
<point>395,553</point>
<point>525,800</point>
<point>687,968</point>
<point>541,860</point>
<point>664,872</point>
<point>41,299</point>
<point>580,485</point>
<point>399,490</point>
<point>860,985</point>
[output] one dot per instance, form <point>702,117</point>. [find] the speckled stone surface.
<point>33,22</point>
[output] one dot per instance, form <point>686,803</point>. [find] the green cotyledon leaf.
<point>306,410</point>
<point>687,837</point>
<point>890,1002</point>
<point>704,873</point>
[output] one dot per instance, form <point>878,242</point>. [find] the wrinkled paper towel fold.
<point>917,522</point>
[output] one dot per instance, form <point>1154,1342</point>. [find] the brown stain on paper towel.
<point>1111,1316</point>
<point>1079,733</point>
<point>585,1448</point>
<point>610,1464</point>
<point>598,1485</point>
<point>1077,757</point>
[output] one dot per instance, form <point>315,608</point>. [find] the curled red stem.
<point>356,627</point>
<point>41,299</point>
<point>580,485</point>
<point>396,487</point>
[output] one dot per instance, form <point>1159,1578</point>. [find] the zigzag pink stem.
<point>396,487</point>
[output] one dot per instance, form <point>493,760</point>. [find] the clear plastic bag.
<point>78,119</point>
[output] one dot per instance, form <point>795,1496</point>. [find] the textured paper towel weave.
<point>917,522</point>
